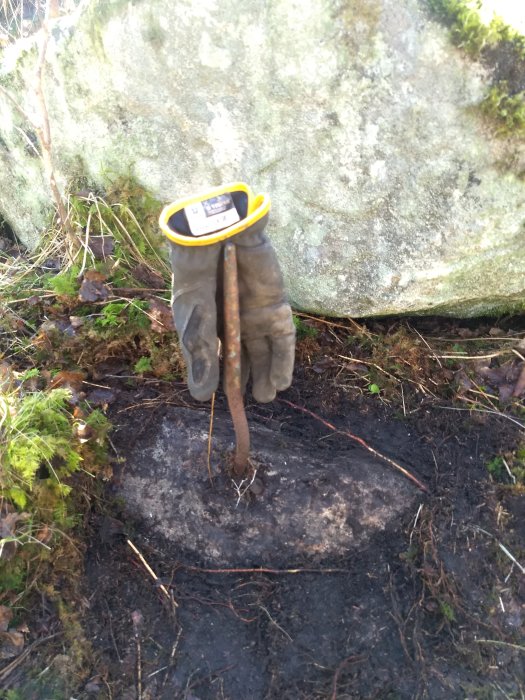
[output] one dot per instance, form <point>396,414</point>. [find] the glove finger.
<point>259,353</point>
<point>200,349</point>
<point>283,357</point>
<point>195,315</point>
<point>260,280</point>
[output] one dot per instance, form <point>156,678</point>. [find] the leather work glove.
<point>197,229</point>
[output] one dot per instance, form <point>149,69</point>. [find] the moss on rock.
<point>501,49</point>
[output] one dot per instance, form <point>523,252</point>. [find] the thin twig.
<point>263,570</point>
<point>210,433</point>
<point>361,442</point>
<point>18,108</point>
<point>332,324</point>
<point>485,395</point>
<point>153,575</point>
<point>502,547</point>
<point>370,364</point>
<point>484,410</point>
<point>385,372</point>
<point>136,617</point>
<point>518,354</point>
<point>349,660</point>
<point>499,643</point>
<point>238,486</point>
<point>7,670</point>
<point>172,658</point>
<point>111,632</point>
<point>275,623</point>
<point>486,339</point>
<point>475,357</point>
<point>513,478</point>
<point>415,522</point>
<point>436,357</point>
<point>200,681</point>
<point>506,579</point>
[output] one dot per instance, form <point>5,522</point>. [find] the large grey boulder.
<point>390,194</point>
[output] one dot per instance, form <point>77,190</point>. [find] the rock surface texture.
<point>391,194</point>
<point>307,508</point>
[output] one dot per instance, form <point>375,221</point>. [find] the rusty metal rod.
<point>232,360</point>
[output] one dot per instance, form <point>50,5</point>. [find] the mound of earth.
<point>293,505</point>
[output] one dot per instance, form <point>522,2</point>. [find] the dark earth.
<point>425,604</point>
<point>417,611</point>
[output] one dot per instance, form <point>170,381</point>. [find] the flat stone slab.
<point>304,505</point>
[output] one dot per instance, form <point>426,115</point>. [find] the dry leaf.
<point>11,644</point>
<point>93,685</point>
<point>462,381</point>
<point>323,364</point>
<point>6,377</point>
<point>77,321</point>
<point>111,529</point>
<point>69,380</point>
<point>505,392</point>
<point>137,619</point>
<point>355,367</point>
<point>519,387</point>
<point>8,522</point>
<point>465,333</point>
<point>93,287</point>
<point>503,378</point>
<point>51,265</point>
<point>148,277</point>
<point>161,317</point>
<point>101,246</point>
<point>44,534</point>
<point>100,397</point>
<point>6,615</point>
<point>55,327</point>
<point>8,549</point>
<point>110,367</point>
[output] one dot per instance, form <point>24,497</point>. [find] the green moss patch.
<point>501,49</point>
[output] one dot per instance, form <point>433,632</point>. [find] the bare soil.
<point>403,618</point>
<point>430,606</point>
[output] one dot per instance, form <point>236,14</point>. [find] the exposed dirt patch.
<point>403,618</point>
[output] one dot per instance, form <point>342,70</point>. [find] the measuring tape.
<point>213,215</point>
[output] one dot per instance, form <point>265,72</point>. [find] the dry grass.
<point>20,18</point>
